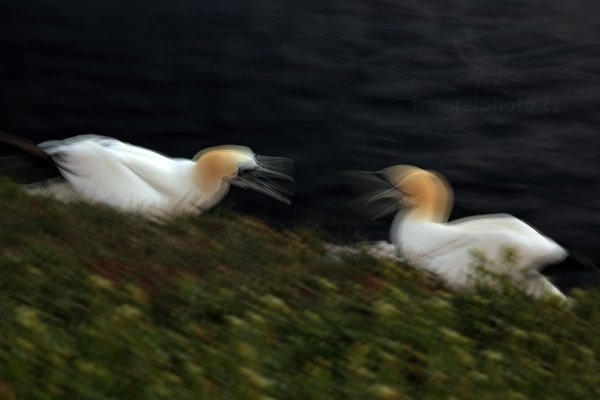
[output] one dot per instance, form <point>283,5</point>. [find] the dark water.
<point>502,97</point>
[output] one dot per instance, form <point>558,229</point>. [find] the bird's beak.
<point>382,198</point>
<point>393,193</point>
<point>260,178</point>
<point>388,201</point>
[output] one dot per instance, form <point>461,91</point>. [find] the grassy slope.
<point>97,305</point>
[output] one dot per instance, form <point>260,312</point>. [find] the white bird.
<point>455,251</point>
<point>130,178</point>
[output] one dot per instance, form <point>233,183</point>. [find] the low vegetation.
<point>99,305</point>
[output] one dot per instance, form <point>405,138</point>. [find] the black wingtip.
<point>36,156</point>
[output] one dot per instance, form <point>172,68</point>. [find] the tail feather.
<point>32,162</point>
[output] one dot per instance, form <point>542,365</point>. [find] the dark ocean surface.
<point>502,97</point>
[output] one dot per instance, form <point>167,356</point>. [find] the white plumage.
<point>502,243</point>
<point>131,178</point>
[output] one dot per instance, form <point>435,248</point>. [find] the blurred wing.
<point>451,250</point>
<point>110,171</point>
<point>156,170</point>
<point>505,222</point>
<point>535,249</point>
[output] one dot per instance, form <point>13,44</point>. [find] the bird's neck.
<point>208,184</point>
<point>433,204</point>
<point>425,211</point>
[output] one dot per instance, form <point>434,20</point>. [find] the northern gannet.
<point>104,170</point>
<point>425,239</point>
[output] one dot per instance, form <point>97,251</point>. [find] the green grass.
<point>99,305</point>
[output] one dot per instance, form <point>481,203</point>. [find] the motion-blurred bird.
<point>131,178</point>
<point>424,238</point>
